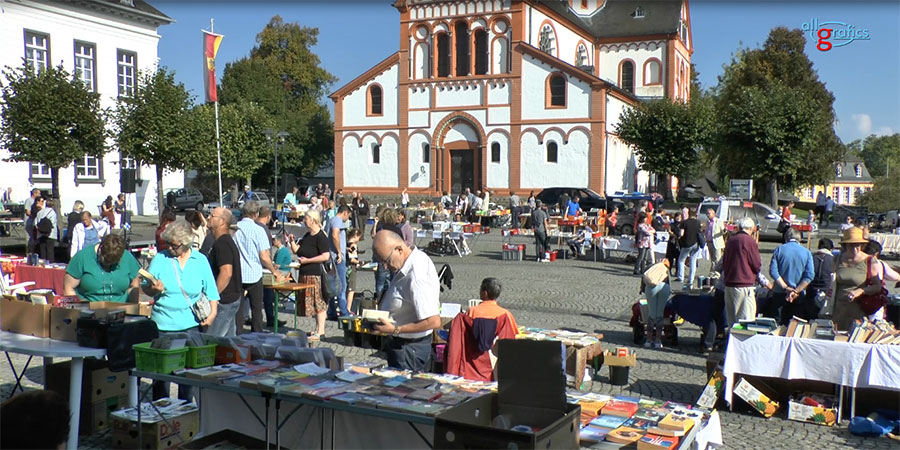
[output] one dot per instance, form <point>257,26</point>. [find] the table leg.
<point>852,402</point>
<point>132,391</point>
<point>74,401</point>
<point>276,309</point>
<point>840,403</point>
<point>268,400</point>
<point>18,376</point>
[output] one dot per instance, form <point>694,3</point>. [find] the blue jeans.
<point>685,253</point>
<point>657,297</point>
<point>161,388</point>
<point>342,295</point>
<point>382,280</point>
<point>223,325</point>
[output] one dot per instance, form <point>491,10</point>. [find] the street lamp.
<point>276,138</point>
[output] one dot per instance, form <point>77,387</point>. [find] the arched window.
<point>547,42</point>
<point>556,91</point>
<point>376,154</point>
<point>443,55</point>
<point>552,152</point>
<point>626,77</point>
<point>581,56</point>
<point>481,52</point>
<point>638,13</point>
<point>461,30</point>
<point>375,100</point>
<point>838,170</point>
<point>652,72</point>
<point>857,169</point>
<point>495,152</point>
<point>426,153</point>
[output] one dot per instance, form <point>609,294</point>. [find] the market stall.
<point>44,277</point>
<point>890,243</point>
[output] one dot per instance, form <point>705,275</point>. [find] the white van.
<point>736,209</point>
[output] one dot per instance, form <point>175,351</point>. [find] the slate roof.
<point>848,172</point>
<point>614,18</point>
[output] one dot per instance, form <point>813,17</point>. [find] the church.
<point>510,95</point>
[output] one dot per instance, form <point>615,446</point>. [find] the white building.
<point>510,95</point>
<point>104,43</point>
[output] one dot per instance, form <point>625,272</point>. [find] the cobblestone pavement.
<point>585,296</point>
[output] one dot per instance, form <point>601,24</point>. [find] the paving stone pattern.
<point>586,296</point>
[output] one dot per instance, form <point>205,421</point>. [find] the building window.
<point>86,65</point>
<point>375,100</point>
<point>481,52</point>
<point>37,49</point>
<point>495,152</point>
<point>846,195</point>
<point>626,77</point>
<point>683,31</point>
<point>652,72</point>
<point>581,56</point>
<point>638,13</point>
<point>552,152</point>
<point>39,170</point>
<point>461,32</point>
<point>426,153</point>
<point>547,42</point>
<point>127,62</point>
<point>857,169</point>
<point>836,194</point>
<point>88,168</point>
<point>443,55</point>
<point>556,91</point>
<point>838,170</point>
<point>376,154</point>
<point>128,163</point>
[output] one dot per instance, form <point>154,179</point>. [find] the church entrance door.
<point>462,170</point>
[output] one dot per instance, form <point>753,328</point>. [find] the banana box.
<point>813,408</point>
<point>758,395</point>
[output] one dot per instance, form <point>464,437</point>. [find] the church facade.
<point>509,95</point>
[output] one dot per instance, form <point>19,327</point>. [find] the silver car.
<point>734,210</point>
<point>185,198</point>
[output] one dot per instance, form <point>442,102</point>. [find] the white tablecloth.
<point>624,244</point>
<point>890,243</point>
<point>843,363</point>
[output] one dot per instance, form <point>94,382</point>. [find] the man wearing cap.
<point>741,265</point>
<point>247,195</point>
<point>541,221</point>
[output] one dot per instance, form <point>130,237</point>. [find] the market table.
<point>286,289</point>
<point>15,226</point>
<point>51,348</point>
<point>43,277</point>
<point>890,243</point>
<point>845,364</point>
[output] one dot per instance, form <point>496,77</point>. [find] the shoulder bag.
<point>870,303</point>
<point>201,307</point>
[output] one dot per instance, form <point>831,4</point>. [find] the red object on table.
<point>43,277</point>
<point>802,227</point>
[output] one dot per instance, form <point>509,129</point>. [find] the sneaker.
<point>705,350</point>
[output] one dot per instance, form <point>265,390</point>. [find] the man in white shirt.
<point>413,301</point>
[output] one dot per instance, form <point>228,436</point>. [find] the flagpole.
<point>218,145</point>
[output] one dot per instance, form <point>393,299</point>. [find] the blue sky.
<point>864,75</point>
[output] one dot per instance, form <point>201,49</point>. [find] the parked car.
<point>589,199</point>
<point>735,210</point>
<point>185,198</point>
<point>260,198</point>
<point>633,197</point>
<point>891,220</point>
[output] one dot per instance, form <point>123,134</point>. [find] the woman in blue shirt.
<point>182,275</point>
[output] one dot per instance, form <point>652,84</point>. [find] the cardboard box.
<point>176,429</point>
<point>106,309</point>
<point>64,324</point>
<point>97,417</point>
<point>611,359</point>
<point>102,391</point>
<point>27,318</point>
<point>225,439</point>
<point>713,389</point>
<point>758,395</point>
<point>524,366</point>
<point>826,413</point>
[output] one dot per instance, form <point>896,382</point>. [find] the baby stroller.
<point>638,323</point>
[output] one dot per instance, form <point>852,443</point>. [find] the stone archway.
<point>459,143</point>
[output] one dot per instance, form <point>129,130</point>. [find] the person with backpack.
<point>819,289</point>
<point>45,222</point>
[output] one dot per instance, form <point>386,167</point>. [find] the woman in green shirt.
<point>104,272</point>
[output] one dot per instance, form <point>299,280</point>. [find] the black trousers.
<point>716,310</point>
<point>255,294</point>
<point>46,248</point>
<point>409,354</point>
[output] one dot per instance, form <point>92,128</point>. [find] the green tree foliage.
<point>798,156</point>
<point>885,196</point>
<point>667,136</point>
<point>156,126</point>
<point>48,117</point>
<point>242,137</point>
<point>879,153</point>
<point>283,76</point>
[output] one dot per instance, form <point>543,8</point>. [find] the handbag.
<point>701,239</point>
<point>870,303</point>
<point>655,275</point>
<point>782,226</point>
<point>201,307</point>
<point>330,283</point>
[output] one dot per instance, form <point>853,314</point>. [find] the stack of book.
<point>574,338</point>
<point>871,332</point>
<point>759,325</point>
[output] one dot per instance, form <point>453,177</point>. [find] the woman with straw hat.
<point>851,278</point>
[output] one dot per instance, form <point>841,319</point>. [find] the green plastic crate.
<point>158,360</point>
<point>202,356</point>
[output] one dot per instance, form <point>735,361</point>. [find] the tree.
<point>776,69</point>
<point>885,196</point>
<point>156,126</point>
<point>48,117</point>
<point>283,76</point>
<point>880,153</point>
<point>667,136</point>
<point>242,137</point>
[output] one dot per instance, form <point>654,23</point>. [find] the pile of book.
<point>872,332</point>
<point>759,325</point>
<point>625,421</point>
<point>365,385</point>
<point>573,338</point>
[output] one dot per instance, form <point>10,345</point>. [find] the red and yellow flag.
<point>211,43</point>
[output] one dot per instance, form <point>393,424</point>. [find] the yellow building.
<point>851,179</point>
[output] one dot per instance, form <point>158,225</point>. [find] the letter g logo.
<point>824,35</point>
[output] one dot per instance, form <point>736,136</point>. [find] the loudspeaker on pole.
<point>127,180</point>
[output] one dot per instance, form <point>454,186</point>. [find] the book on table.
<point>657,442</point>
<point>624,435</point>
<point>620,408</point>
<point>608,421</point>
<point>593,434</point>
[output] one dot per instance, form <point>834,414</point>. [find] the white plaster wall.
<point>614,109</point>
<point>640,52</point>
<point>621,166</point>
<point>461,131</point>
<point>459,95</point>
<point>498,115</point>
<point>498,172</point>
<point>359,169</point>
<point>500,53</point>
<point>64,25</point>
<point>498,94</point>
<point>534,80</point>
<point>420,97</point>
<point>566,39</point>
<point>418,119</point>
<point>355,103</point>
<point>416,176</point>
<point>570,170</point>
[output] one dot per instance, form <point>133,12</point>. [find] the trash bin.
<point>618,375</point>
